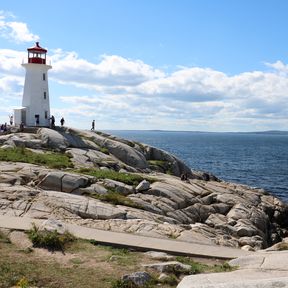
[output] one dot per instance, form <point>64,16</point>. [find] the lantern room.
<point>37,54</point>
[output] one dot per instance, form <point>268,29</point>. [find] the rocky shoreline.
<point>201,208</point>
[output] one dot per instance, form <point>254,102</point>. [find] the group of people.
<point>3,127</point>
<point>52,122</point>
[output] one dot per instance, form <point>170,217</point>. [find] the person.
<point>21,127</point>
<point>184,177</point>
<point>62,121</point>
<point>52,122</point>
<point>93,125</point>
<point>11,120</point>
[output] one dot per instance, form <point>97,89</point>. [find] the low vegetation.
<point>115,198</point>
<point>21,154</point>
<point>4,238</point>
<point>104,150</point>
<point>160,165</point>
<point>197,267</point>
<point>84,264</point>
<point>127,178</point>
<point>50,240</point>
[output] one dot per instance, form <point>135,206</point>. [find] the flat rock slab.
<point>260,270</point>
<point>281,282</point>
<point>277,260</point>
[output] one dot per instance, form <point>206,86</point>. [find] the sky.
<point>193,65</point>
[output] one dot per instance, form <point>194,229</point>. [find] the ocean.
<point>257,159</point>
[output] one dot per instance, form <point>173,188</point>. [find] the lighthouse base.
<point>22,116</point>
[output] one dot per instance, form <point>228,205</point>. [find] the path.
<point>133,241</point>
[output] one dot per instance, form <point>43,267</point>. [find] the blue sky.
<point>153,64</point>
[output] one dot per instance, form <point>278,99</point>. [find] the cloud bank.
<point>126,93</point>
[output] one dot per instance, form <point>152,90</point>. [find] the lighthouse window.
<point>44,76</point>
<point>45,95</point>
<point>46,114</point>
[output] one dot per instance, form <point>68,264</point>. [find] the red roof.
<point>37,48</point>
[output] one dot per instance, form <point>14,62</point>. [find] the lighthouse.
<point>35,110</point>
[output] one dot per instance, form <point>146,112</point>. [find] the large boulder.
<point>80,205</point>
<point>64,182</point>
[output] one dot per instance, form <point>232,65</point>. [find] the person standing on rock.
<point>62,121</point>
<point>52,122</point>
<point>93,125</point>
<point>11,120</point>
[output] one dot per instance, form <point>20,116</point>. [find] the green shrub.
<point>50,240</point>
<point>23,283</point>
<point>21,154</point>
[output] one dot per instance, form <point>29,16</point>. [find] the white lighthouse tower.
<point>35,109</point>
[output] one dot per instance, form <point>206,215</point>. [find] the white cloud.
<point>126,93</point>
<point>193,96</point>
<point>113,72</point>
<point>13,30</point>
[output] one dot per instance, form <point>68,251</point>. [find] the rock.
<point>247,248</point>
<point>80,205</point>
<point>94,188</point>
<point>138,278</point>
<point>53,225</point>
<point>20,239</point>
<point>216,220</point>
<point>159,255</point>
<point>143,186</point>
<point>202,209</point>
<point>118,186</point>
<point>177,167</point>
<point>174,267</point>
<point>53,139</point>
<point>245,228</point>
<point>239,211</point>
<point>64,182</point>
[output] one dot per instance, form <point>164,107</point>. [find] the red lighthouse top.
<point>37,54</point>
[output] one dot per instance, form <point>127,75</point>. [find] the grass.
<point>129,284</point>
<point>282,246</point>
<point>4,238</point>
<point>127,178</point>
<point>164,166</point>
<point>115,198</point>
<point>91,266</point>
<point>50,240</point>
<point>104,150</point>
<point>197,267</point>
<point>51,160</point>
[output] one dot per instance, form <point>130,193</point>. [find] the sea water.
<point>255,159</point>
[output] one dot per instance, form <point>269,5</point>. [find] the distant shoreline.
<point>274,132</point>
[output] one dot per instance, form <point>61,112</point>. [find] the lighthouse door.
<point>37,119</point>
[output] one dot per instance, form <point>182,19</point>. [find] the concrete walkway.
<point>138,242</point>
